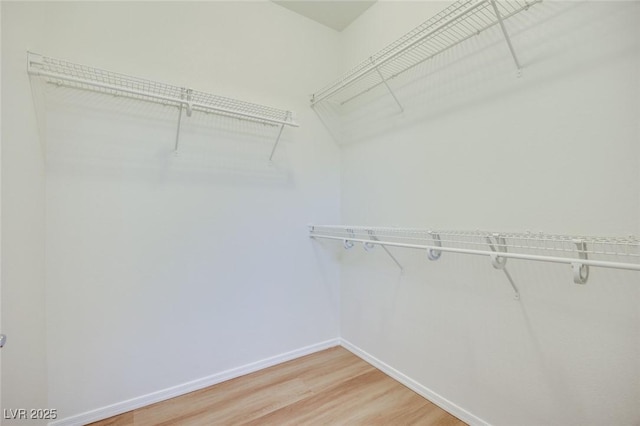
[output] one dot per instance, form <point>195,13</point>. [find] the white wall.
<point>163,268</point>
<point>23,378</point>
<point>555,150</point>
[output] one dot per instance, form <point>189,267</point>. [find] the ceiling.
<point>334,14</point>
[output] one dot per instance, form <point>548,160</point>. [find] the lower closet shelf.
<point>581,252</point>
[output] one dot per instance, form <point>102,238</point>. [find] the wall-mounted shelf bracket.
<point>580,270</point>
<point>393,258</point>
<point>175,148</point>
<point>185,95</point>
<point>275,145</point>
<point>506,36</point>
<point>499,245</point>
<point>370,245</point>
<point>516,293</point>
<point>384,81</point>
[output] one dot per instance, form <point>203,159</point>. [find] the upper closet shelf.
<point>64,73</point>
<point>455,24</point>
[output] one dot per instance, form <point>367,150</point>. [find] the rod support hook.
<point>368,246</point>
<point>433,254</point>
<point>497,245</point>
<point>347,243</point>
<point>580,270</point>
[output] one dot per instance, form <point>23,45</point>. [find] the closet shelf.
<point>69,74</point>
<point>457,23</point>
<point>580,252</point>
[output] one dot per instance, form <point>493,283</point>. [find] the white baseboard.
<point>172,392</point>
<point>427,393</point>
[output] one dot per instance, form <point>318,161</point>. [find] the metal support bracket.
<point>580,270</point>
<point>507,38</point>
<point>384,81</point>
<point>189,93</point>
<point>273,150</point>
<point>393,258</point>
<point>369,246</point>
<point>434,254</point>
<point>499,245</point>
<point>178,129</point>
<point>516,293</point>
<point>187,96</point>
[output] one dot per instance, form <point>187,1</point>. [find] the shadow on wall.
<point>107,137</point>
<point>548,39</point>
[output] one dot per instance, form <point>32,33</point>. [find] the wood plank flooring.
<point>332,387</point>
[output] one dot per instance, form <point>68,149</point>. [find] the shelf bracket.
<point>393,258</point>
<point>275,145</point>
<point>516,293</point>
<point>506,37</point>
<point>580,270</point>
<point>178,129</point>
<point>175,149</point>
<point>384,81</point>
<point>185,95</point>
<point>499,245</point>
<point>369,246</point>
<point>189,97</point>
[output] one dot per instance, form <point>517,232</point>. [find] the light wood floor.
<point>332,387</point>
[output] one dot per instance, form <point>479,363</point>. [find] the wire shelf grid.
<point>455,24</point>
<point>565,248</point>
<point>69,74</point>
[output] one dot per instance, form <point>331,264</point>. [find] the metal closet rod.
<point>499,244</point>
<point>553,259</point>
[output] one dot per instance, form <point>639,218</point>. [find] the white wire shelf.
<point>455,24</point>
<point>580,252</point>
<point>77,76</point>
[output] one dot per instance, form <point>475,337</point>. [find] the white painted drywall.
<point>161,268</point>
<point>23,378</point>
<point>556,150</point>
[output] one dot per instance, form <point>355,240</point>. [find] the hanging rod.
<point>68,74</point>
<point>580,252</point>
<point>455,24</point>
